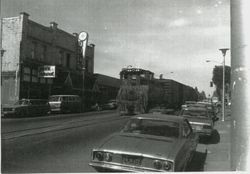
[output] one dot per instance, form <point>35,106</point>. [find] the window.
<point>34,76</point>
<point>186,129</point>
<point>26,74</point>
<point>42,80</point>
<point>44,53</point>
<point>49,81</point>
<point>68,60</point>
<point>153,127</point>
<point>33,50</point>
<point>61,57</point>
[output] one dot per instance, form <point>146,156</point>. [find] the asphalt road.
<point>63,143</point>
<point>66,149</point>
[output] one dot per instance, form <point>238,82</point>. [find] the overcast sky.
<point>162,36</point>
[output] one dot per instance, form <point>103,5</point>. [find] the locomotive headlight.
<point>99,155</point>
<point>157,164</point>
<point>167,166</point>
<point>108,156</point>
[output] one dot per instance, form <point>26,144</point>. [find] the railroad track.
<point>76,123</point>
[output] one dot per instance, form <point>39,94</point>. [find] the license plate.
<point>130,160</point>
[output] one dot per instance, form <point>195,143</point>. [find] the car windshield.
<point>152,127</point>
<point>195,113</point>
<point>22,102</point>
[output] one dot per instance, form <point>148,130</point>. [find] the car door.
<point>190,143</point>
<point>192,137</point>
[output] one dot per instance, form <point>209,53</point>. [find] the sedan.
<point>147,143</point>
<point>27,107</point>
<point>201,120</point>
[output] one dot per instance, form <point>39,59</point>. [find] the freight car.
<point>140,91</point>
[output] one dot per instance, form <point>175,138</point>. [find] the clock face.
<point>82,36</point>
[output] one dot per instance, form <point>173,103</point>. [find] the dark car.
<point>199,117</point>
<point>111,104</point>
<point>147,143</point>
<point>27,107</point>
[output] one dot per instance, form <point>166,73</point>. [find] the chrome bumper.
<point>112,167</point>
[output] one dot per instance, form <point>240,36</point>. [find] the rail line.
<point>59,127</point>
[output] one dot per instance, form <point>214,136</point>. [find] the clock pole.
<point>83,40</point>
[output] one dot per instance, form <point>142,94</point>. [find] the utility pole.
<point>240,85</point>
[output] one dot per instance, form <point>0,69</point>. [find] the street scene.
<point>119,86</point>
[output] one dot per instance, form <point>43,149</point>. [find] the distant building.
<point>106,87</point>
<point>30,50</point>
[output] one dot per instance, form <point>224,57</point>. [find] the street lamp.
<point>223,50</point>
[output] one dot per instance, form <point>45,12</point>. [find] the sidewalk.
<point>218,155</point>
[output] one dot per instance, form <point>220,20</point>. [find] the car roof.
<point>195,108</point>
<point>160,116</point>
<point>28,99</point>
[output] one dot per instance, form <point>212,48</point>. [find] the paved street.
<point>66,149</point>
<point>63,143</point>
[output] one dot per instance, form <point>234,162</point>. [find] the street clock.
<point>83,36</point>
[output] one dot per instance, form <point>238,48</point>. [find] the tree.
<point>218,78</point>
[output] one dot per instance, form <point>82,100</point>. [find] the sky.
<point>162,36</point>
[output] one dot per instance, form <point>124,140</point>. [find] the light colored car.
<point>27,107</point>
<point>148,143</point>
<point>65,103</point>
<point>200,119</point>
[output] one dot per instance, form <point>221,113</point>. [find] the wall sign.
<point>47,71</point>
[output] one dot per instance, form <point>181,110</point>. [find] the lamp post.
<point>223,50</point>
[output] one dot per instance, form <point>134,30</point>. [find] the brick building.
<point>28,47</point>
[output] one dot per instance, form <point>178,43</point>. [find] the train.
<point>140,91</point>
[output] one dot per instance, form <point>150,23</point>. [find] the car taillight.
<point>167,166</point>
<point>157,164</point>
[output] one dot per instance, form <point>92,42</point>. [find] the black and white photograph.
<point>124,86</point>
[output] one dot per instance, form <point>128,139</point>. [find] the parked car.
<point>148,143</point>
<point>162,110</point>
<point>27,107</point>
<point>201,121</point>
<point>111,104</point>
<point>65,103</point>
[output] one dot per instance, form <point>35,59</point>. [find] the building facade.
<point>105,87</point>
<point>28,48</point>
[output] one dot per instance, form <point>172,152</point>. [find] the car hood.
<point>143,144</point>
<point>199,120</point>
